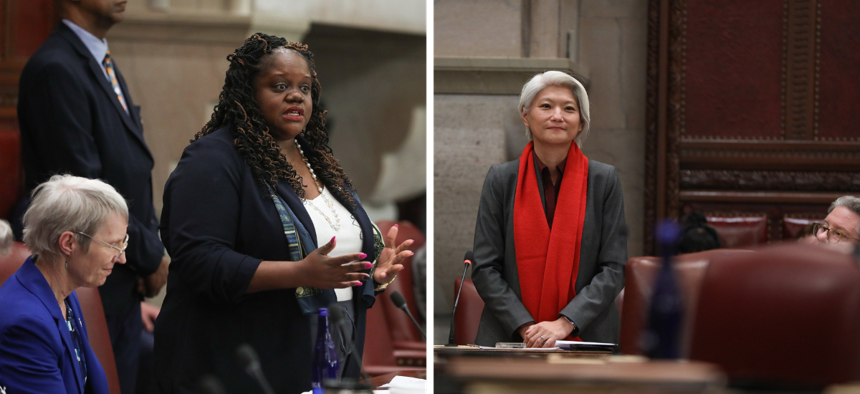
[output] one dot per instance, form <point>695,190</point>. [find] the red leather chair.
<point>738,232</point>
<point>380,356</point>
<point>639,286</point>
<point>403,332</point>
<point>9,263</point>
<point>793,225</point>
<point>468,315</point>
<point>11,179</point>
<point>787,314</point>
<point>91,307</point>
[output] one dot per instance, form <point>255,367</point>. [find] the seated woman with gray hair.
<point>76,229</point>
<point>550,238</point>
<point>6,238</point>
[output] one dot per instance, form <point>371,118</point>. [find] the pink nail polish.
<point>383,275</point>
<point>396,225</point>
<point>361,256</point>
<point>332,239</point>
<point>368,265</point>
<point>411,253</point>
<point>357,284</point>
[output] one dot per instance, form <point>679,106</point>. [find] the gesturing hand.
<point>324,272</point>
<point>389,263</point>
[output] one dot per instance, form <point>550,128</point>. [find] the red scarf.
<point>548,260</point>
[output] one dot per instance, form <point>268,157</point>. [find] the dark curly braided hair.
<point>238,108</point>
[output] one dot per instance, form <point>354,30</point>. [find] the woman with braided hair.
<point>264,229</point>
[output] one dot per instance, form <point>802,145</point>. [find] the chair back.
<point>639,278</point>
<point>738,232</point>
<point>9,263</point>
<point>786,314</point>
<point>97,330</point>
<point>91,308</point>
<point>400,326</point>
<point>468,315</point>
<point>11,179</point>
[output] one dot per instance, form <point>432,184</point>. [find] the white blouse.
<point>348,235</point>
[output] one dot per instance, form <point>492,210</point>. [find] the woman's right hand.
<point>324,272</point>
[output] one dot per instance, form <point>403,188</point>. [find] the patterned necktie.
<point>108,65</point>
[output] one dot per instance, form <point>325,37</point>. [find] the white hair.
<point>69,203</point>
<point>557,78</point>
<point>850,202</point>
<point>6,238</point>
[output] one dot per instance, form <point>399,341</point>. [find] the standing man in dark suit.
<point>77,117</point>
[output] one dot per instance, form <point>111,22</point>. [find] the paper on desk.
<point>374,392</point>
<point>405,382</point>
<point>524,349</point>
<point>574,344</point>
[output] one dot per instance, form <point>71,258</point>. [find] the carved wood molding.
<point>800,68</point>
<point>771,180</point>
<point>676,93</point>
<point>651,86</point>
<point>758,197</point>
<point>770,155</point>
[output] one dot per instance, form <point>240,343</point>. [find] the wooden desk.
<point>559,374</point>
<point>380,380</point>
<point>469,351</point>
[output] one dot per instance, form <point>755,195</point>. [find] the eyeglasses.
<point>833,235</point>
<point>120,250</point>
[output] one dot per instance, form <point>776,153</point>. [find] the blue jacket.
<point>36,348</point>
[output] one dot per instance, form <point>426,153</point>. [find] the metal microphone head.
<point>248,357</point>
<point>211,385</point>
<point>470,257</point>
<point>398,299</point>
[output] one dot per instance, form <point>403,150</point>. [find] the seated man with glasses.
<point>842,224</point>
<point>44,345</point>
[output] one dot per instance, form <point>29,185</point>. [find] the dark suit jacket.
<point>37,352</point>
<point>601,261</point>
<point>218,225</point>
<point>72,123</point>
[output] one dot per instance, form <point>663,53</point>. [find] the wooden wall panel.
<point>732,69</point>
<point>839,71</point>
<point>752,107</point>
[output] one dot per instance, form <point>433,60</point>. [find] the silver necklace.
<point>336,224</point>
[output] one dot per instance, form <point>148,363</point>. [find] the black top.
<point>218,224</point>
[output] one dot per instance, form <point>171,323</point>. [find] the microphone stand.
<point>456,301</point>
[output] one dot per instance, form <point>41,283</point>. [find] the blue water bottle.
<point>662,339</point>
<point>325,366</point>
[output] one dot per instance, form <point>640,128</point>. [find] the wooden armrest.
<point>411,358</point>
<point>413,345</point>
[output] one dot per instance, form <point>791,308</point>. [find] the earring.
<point>67,265</point>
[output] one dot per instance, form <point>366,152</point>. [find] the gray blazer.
<point>601,262</point>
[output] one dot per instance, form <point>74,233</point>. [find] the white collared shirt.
<point>97,47</point>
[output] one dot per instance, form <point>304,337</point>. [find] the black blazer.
<point>218,224</point>
<point>72,123</point>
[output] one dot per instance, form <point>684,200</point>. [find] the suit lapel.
<point>33,280</point>
<point>97,74</point>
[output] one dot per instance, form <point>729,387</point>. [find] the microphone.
<point>335,312</point>
<point>400,303</point>
<point>249,360</point>
<point>467,261</point>
<point>209,384</point>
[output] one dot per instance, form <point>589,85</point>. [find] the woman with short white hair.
<point>76,229</point>
<point>550,238</point>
